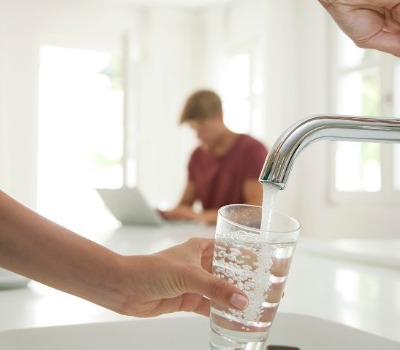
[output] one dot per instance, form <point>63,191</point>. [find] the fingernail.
<point>239,301</point>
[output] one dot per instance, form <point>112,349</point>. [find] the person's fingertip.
<point>239,301</point>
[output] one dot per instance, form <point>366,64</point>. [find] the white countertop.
<point>346,282</point>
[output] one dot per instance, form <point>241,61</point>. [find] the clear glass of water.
<point>256,258</point>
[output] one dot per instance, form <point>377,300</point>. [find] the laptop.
<point>128,205</point>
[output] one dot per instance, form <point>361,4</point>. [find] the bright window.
<point>80,136</point>
<point>242,89</point>
<point>358,164</point>
<point>366,86</point>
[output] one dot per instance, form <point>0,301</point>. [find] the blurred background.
<point>91,92</point>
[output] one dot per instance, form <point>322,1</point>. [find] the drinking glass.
<point>256,259</point>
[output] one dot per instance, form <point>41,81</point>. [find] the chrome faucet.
<point>280,159</point>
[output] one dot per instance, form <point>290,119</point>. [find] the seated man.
<point>223,169</point>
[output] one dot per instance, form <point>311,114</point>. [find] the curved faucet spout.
<point>280,159</point>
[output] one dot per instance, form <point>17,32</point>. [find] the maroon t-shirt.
<point>219,180</point>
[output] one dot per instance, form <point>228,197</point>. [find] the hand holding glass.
<point>257,261</point>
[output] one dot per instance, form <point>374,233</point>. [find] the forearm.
<point>46,252</point>
<point>177,279</point>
